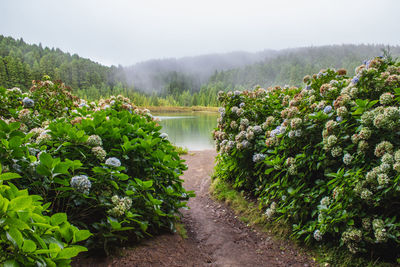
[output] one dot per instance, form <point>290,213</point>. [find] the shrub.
<point>104,164</point>
<point>324,158</point>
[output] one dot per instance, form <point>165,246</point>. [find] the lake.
<point>191,130</point>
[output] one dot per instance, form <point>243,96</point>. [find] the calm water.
<point>191,130</point>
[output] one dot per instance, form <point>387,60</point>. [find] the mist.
<point>153,75</point>
<point>265,68</point>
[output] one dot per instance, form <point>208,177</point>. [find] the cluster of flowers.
<point>270,212</point>
<point>348,125</point>
<point>81,183</point>
<point>121,205</point>
<point>383,118</point>
<point>291,166</point>
<point>113,162</point>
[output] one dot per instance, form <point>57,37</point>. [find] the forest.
<point>192,81</point>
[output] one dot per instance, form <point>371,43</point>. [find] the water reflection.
<point>191,130</point>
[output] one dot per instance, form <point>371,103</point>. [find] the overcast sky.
<point>125,32</point>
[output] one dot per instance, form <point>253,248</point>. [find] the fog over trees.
<point>154,74</point>
<point>266,68</point>
<point>184,81</point>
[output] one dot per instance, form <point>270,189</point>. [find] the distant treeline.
<point>192,81</point>
<point>291,65</point>
<point>20,63</point>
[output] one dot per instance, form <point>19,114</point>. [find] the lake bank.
<point>181,109</point>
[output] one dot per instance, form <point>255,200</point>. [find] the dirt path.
<point>216,237</point>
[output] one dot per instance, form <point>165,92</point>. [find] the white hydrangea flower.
<point>113,162</point>
<point>258,157</point>
<point>99,152</point>
<point>81,183</point>
<point>347,158</point>
<point>94,140</point>
<point>317,235</point>
<point>325,201</point>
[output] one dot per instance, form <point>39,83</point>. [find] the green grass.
<point>181,150</point>
<point>181,230</point>
<point>249,213</point>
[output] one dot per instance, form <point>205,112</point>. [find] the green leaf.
<point>268,171</point>
<point>82,235</point>
<point>114,223</point>
<point>9,176</point>
<point>148,184</point>
<point>58,218</point>
<point>4,126</point>
<point>46,251</point>
<point>61,181</point>
<point>62,168</point>
<point>51,263</point>
<point>52,240</point>
<point>15,142</point>
<point>15,236</point>
<point>19,224</point>
<point>14,126</point>
<point>28,246</point>
<point>10,263</point>
<point>113,183</point>
<point>43,170</point>
<point>39,240</point>
<point>68,253</point>
<point>46,159</point>
<point>20,203</point>
<point>66,232</point>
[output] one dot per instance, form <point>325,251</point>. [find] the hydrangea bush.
<point>106,164</point>
<point>30,238</point>
<point>324,158</point>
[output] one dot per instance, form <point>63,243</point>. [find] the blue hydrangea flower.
<point>27,102</point>
<point>274,133</point>
<point>339,118</point>
<point>355,80</point>
<point>328,109</point>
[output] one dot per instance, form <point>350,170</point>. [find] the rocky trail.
<point>215,235</point>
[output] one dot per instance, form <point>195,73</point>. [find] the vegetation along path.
<point>215,235</point>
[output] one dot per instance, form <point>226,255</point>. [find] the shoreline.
<point>181,109</point>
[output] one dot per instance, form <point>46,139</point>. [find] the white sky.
<point>125,32</point>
